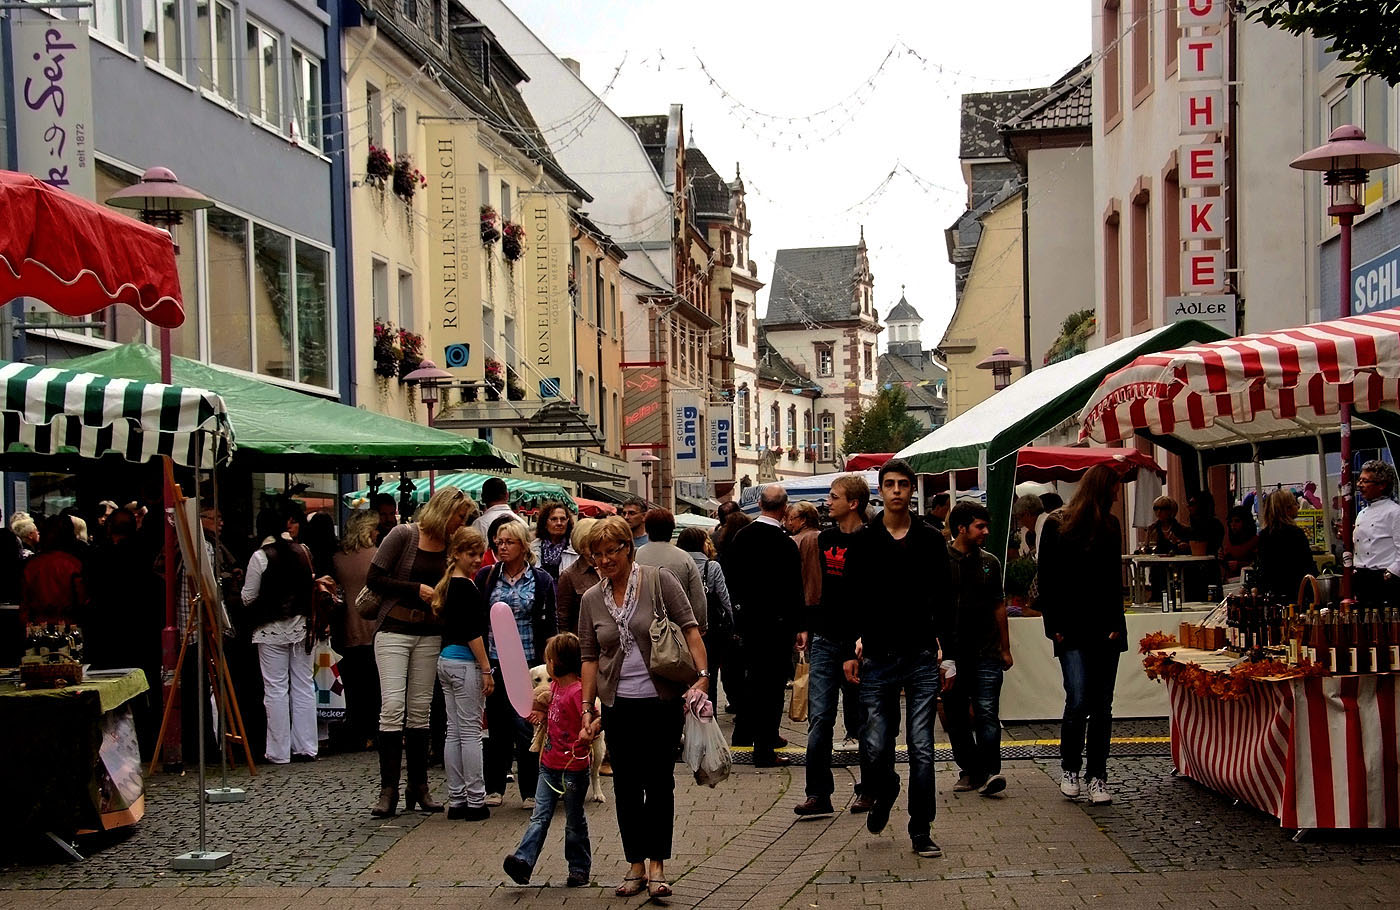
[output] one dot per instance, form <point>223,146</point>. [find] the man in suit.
<point>768,582</point>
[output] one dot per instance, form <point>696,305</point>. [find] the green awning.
<point>525,494</point>
<point>55,412</point>
<point>993,431</point>
<point>282,429</point>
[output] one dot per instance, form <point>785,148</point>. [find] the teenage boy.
<point>831,642</point>
<point>901,565</point>
<point>971,703</point>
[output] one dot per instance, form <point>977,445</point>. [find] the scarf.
<point>622,615</point>
<point>552,553</point>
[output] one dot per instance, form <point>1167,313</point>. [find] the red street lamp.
<point>428,376</point>
<point>162,200</point>
<point>1344,162</point>
<point>1000,363</point>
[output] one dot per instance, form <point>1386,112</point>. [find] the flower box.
<point>407,178</point>
<point>490,231</point>
<point>379,168</point>
<point>512,241</point>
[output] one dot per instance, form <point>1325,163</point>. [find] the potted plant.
<point>379,168</point>
<point>514,390</point>
<point>495,380</point>
<point>387,353</point>
<point>411,346</point>
<point>810,453</point>
<point>792,453</point>
<point>513,242</point>
<point>407,178</point>
<point>490,229</point>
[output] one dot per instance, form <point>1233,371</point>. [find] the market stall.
<point>525,495</point>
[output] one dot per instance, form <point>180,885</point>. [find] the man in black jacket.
<point>767,572</point>
<point>903,564</point>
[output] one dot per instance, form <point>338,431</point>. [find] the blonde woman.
<point>515,580</point>
<point>408,638</point>
<point>465,674</point>
<point>1284,555</point>
<point>577,578</point>
<point>352,634</point>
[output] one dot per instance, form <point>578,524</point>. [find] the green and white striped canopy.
<point>48,411</point>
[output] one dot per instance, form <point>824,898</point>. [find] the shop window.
<point>229,290</point>
<point>313,315</point>
<point>272,301</point>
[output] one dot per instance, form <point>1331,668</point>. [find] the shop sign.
<point>51,76</point>
<point>685,431</point>
<point>1202,271</point>
<point>719,441</point>
<point>1375,285</point>
<point>547,249</point>
<point>643,406</point>
<point>1215,309</point>
<point>452,213</point>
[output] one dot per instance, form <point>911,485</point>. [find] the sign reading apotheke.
<point>452,210</point>
<point>1375,285</point>
<point>685,431</point>
<point>1213,309</point>
<point>52,84</point>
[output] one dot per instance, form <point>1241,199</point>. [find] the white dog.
<point>540,677</point>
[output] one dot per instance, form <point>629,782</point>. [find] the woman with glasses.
<point>553,547</point>
<point>408,638</point>
<point>528,590</point>
<point>641,711</point>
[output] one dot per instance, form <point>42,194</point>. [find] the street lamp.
<point>161,200</point>
<point>1000,363</point>
<point>647,460</point>
<point>1344,162</point>
<point>428,376</point>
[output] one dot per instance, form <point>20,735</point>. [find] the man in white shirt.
<point>1377,537</point>
<point>495,502</point>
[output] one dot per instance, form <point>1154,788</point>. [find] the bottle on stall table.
<point>1357,637</point>
<point>1392,637</point>
<point>1374,651</point>
<point>1317,638</point>
<point>1338,647</point>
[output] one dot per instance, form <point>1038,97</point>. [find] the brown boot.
<point>390,757</point>
<point>416,750</point>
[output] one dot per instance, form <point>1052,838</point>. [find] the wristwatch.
<point>703,674</point>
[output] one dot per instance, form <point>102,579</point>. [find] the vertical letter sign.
<point>685,431</point>
<point>718,444</point>
<point>53,103</point>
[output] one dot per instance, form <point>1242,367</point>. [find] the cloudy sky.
<point>840,116</point>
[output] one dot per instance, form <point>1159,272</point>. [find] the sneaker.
<point>849,744</point>
<point>527,803</point>
<point>879,814</point>
<point>992,785</point>
<point>494,799</point>
<point>964,784</point>
<point>517,869</point>
<point>814,805</point>
<point>1098,792</point>
<point>1069,784</point>
<point>924,846</point>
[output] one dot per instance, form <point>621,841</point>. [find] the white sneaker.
<point>849,745</point>
<point>527,803</point>
<point>493,799</point>
<point>1098,792</point>
<point>1069,785</point>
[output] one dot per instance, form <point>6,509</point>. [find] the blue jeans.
<point>825,678</point>
<point>571,787</point>
<point>971,708</point>
<point>1090,674</point>
<point>881,680</point>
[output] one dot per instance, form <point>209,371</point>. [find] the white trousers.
<point>461,688</point>
<point>407,668</point>
<point>289,697</point>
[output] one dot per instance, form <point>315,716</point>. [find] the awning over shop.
<point>524,494</point>
<point>695,502</point>
<point>49,411</point>
<point>558,469</point>
<point>606,494</point>
<point>281,429</point>
<point>993,431</point>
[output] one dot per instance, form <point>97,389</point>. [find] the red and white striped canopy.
<point>1255,387</point>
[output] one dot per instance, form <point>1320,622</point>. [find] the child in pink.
<point>563,768</point>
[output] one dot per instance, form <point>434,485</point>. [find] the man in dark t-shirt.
<point>982,654</point>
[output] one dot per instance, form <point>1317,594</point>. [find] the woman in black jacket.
<point>1284,554</point>
<point>1081,596</point>
<point>529,591</point>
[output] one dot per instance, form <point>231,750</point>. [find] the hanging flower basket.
<point>495,380</point>
<point>514,390</point>
<point>407,178</point>
<point>411,344</point>
<point>513,241</point>
<point>490,226</point>
<point>379,168</point>
<point>387,353</point>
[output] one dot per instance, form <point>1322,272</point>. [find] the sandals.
<point>658,890</point>
<point>630,886</point>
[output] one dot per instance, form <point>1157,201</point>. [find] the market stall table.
<point>1034,689</point>
<point>1312,751</point>
<point>1141,562</point>
<point>70,757</point>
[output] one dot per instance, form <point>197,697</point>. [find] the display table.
<point>70,755</point>
<point>1141,562</point>
<point>1034,688</point>
<point>1314,751</point>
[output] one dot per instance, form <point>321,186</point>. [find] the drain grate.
<point>1038,750</point>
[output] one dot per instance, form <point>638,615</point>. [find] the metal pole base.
<point>201,860</point>
<point>225,795</point>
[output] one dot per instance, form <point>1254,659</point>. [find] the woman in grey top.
<point>641,711</point>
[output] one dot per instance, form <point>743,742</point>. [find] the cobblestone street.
<point>304,837</point>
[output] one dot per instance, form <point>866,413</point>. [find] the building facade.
<point>918,370</point>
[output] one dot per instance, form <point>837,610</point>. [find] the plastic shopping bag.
<point>797,708</point>
<point>706,753</point>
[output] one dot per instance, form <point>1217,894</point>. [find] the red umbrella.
<point>592,508</point>
<point>80,257</point>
